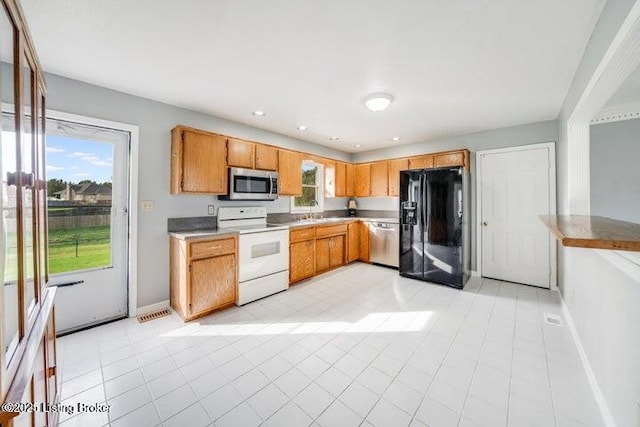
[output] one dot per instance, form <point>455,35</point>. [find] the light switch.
<point>147,205</point>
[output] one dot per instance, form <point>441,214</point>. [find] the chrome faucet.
<point>311,203</point>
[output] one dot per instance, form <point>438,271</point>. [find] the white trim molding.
<point>617,113</point>
<point>134,143</point>
<point>619,61</point>
<point>553,247</point>
<point>591,376</point>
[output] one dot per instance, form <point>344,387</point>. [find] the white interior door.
<point>516,187</point>
<point>88,225</point>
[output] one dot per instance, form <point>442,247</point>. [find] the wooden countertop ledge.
<point>595,232</point>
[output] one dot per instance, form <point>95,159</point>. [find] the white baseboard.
<point>593,382</point>
<point>474,273</point>
<point>150,308</point>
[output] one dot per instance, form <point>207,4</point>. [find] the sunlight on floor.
<point>409,321</point>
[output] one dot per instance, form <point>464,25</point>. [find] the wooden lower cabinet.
<point>337,251</point>
<point>314,250</point>
<point>212,283</point>
<point>353,239</point>
<point>364,242</point>
<point>302,260</point>
<point>322,255</point>
<point>330,253</point>
<point>203,275</point>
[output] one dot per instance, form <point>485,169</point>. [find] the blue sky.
<point>74,160</point>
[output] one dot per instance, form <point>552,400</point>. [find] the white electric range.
<point>263,252</point>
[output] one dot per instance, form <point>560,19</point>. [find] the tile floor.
<point>359,346</point>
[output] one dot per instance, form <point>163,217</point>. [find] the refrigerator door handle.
<point>422,201</point>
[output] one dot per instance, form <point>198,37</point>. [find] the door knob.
<point>485,223</point>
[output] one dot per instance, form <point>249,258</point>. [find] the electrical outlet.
<point>147,205</point>
<point>211,210</point>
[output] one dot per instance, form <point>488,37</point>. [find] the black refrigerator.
<point>434,226</point>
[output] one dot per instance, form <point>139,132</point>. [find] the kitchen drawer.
<point>331,230</point>
<point>299,235</point>
<point>211,248</point>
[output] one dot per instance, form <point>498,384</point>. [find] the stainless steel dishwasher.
<point>384,236</point>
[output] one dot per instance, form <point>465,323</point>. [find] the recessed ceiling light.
<point>258,113</point>
<point>395,139</point>
<point>302,127</point>
<point>377,101</point>
<point>334,138</point>
<point>357,145</point>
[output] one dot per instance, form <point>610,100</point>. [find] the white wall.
<point>156,121</point>
<point>614,152</point>
<point>603,300</point>
<point>601,297</point>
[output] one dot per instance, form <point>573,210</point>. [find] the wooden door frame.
<point>132,259</point>
<point>551,147</point>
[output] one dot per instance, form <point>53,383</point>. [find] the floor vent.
<point>553,319</point>
<point>155,315</point>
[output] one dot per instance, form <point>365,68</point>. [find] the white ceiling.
<point>453,66</point>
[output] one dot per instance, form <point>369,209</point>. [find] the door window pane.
<point>8,225</point>
<point>27,188</point>
<point>79,172</point>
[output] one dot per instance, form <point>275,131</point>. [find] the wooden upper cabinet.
<point>350,177</point>
<point>454,158</point>
<point>290,173</point>
<point>198,162</point>
<point>421,162</point>
<point>240,153</point>
<point>266,157</point>
<point>340,177</point>
<point>379,179</point>
<point>395,166</point>
<point>362,184</point>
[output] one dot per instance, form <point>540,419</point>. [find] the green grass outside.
<point>93,250</point>
<point>93,246</point>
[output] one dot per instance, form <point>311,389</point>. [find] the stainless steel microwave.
<point>251,184</point>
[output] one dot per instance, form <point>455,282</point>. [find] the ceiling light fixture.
<point>334,138</point>
<point>377,101</point>
<point>258,113</point>
<point>357,145</point>
<point>302,127</point>
<point>395,139</point>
